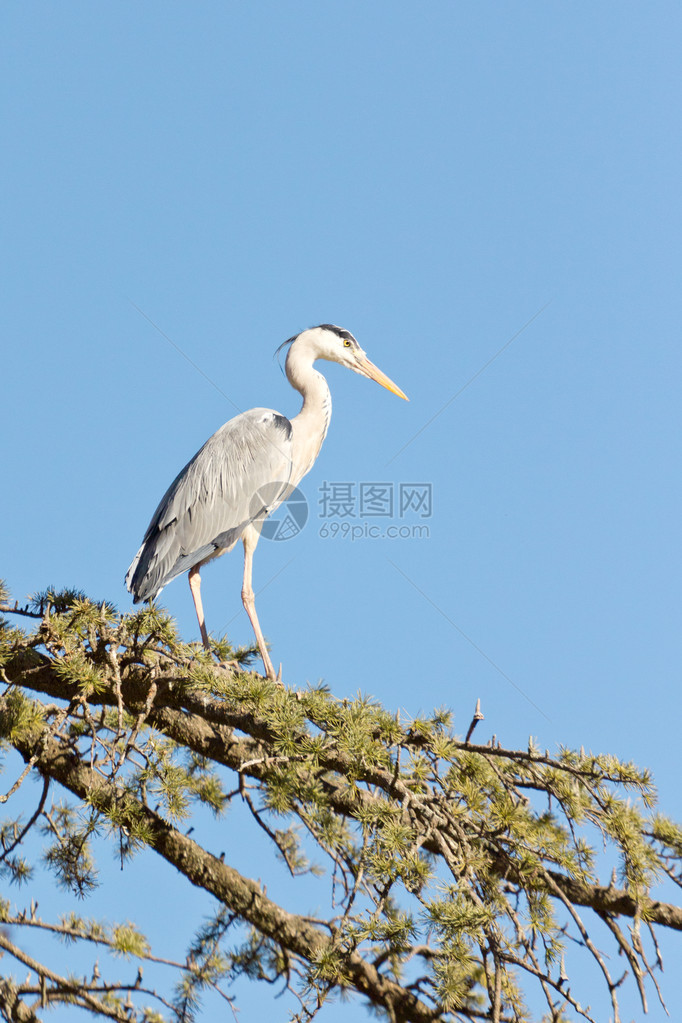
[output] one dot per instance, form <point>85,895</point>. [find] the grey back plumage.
<point>240,474</point>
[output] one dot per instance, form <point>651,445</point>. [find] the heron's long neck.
<point>312,422</point>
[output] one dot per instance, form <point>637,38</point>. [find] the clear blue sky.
<point>431,177</point>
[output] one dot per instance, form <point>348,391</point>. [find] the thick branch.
<point>241,895</point>
<point>206,726</point>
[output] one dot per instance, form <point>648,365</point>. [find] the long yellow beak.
<point>368,369</point>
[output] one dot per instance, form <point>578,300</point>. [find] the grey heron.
<point>241,474</point>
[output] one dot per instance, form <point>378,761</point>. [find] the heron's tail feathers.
<point>137,581</point>
<point>157,562</point>
<point>148,573</point>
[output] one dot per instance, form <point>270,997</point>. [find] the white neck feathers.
<point>311,424</point>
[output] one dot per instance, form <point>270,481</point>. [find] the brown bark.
<point>207,725</point>
<point>240,894</point>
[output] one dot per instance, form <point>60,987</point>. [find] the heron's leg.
<point>250,539</point>
<point>195,587</point>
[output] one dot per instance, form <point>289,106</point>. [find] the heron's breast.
<point>305,454</point>
<point>309,430</point>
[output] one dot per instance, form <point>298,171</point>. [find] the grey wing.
<point>240,474</point>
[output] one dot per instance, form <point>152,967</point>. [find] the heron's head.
<point>338,345</point>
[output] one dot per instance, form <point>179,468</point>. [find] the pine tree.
<point>455,875</point>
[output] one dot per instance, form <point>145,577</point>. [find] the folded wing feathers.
<point>213,499</point>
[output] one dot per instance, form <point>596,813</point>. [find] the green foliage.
<point>455,875</point>
<point>69,855</point>
<point>126,940</point>
<point>22,717</point>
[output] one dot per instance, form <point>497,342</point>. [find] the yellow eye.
<point>346,343</point>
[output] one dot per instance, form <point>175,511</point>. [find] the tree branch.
<point>241,895</point>
<point>207,726</point>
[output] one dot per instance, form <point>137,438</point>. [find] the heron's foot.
<point>270,673</point>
